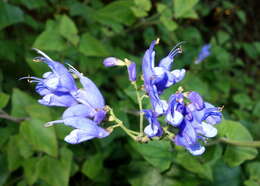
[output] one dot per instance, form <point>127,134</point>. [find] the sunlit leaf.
<point>235,155</point>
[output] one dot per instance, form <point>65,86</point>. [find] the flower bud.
<point>132,71</point>
<point>112,61</point>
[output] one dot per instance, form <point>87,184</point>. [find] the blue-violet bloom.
<point>112,61</point>
<point>194,121</point>
<point>85,105</point>
<point>204,53</point>
<point>154,128</point>
<point>131,68</point>
<point>159,106</point>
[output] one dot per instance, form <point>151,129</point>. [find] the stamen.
<point>42,53</point>
<point>172,54</point>
<point>51,123</point>
<point>180,90</point>
<point>221,108</point>
<point>176,49</point>
<point>75,71</point>
<point>157,41</point>
<point>127,61</point>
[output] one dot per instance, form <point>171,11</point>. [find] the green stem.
<point>139,100</point>
<point>120,124</point>
<point>170,135</point>
<point>240,143</point>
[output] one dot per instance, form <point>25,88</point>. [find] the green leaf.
<point>94,169</point>
<point>222,37</point>
<point>33,111</point>
<point>235,155</point>
<point>68,30</point>
<point>31,170</point>
<point>251,183</point>
<point>157,153</point>
<point>50,38</point>
<point>5,133</point>
<point>184,8</point>
<point>117,11</point>
<point>168,23</point>
<point>41,138</point>
<point>56,172</point>
<point>166,17</point>
<point>241,15</point>
<point>141,7</point>
<point>4,98</point>
<point>20,100</point>
<point>4,173</point>
<point>256,111</point>
<point>32,4</point>
<point>141,174</point>
<point>13,157</point>
<point>243,100</point>
<point>90,46</point>
<point>250,50</point>
<point>25,149</point>
<point>194,164</point>
<point>224,175</point>
<point>9,15</point>
<point>253,169</point>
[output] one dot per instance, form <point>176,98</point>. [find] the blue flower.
<point>59,79</point>
<point>85,129</point>
<point>58,99</point>
<point>163,77</point>
<point>131,68</point>
<point>176,110</point>
<point>85,105</point>
<point>154,128</point>
<point>204,53</point>
<point>112,61</point>
<point>159,106</point>
<point>157,79</point>
<point>187,137</point>
<point>194,120</point>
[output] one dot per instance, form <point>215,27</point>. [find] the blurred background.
<point>84,32</point>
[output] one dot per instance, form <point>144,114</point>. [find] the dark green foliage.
<point>82,33</point>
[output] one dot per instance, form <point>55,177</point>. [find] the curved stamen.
<point>176,49</point>
<point>51,123</point>
<point>177,45</point>
<point>42,53</point>
<point>74,71</point>
<point>32,79</point>
<point>175,52</point>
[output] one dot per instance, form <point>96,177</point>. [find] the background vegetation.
<point>82,33</point>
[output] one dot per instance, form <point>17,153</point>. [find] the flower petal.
<point>132,71</point>
<point>91,93</point>
<point>78,135</point>
<point>196,149</point>
<point>80,123</point>
<point>79,110</point>
<point>60,100</point>
<point>196,100</point>
<point>208,130</point>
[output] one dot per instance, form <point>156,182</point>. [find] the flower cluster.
<point>85,106</point>
<point>185,111</point>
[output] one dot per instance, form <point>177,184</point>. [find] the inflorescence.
<point>187,112</point>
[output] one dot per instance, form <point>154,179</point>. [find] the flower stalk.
<point>140,104</point>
